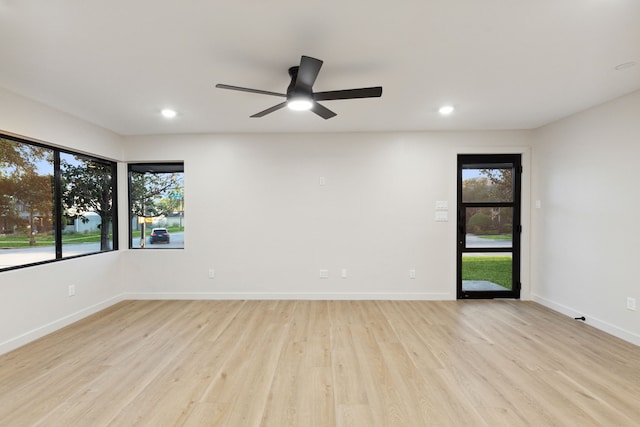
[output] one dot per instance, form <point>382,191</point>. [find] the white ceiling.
<point>504,64</point>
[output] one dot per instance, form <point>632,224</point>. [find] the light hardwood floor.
<point>323,363</point>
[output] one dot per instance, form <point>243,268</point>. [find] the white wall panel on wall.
<point>35,300</point>
<point>268,212</point>
<point>585,257</point>
<point>33,120</point>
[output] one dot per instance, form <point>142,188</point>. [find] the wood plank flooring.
<point>323,363</point>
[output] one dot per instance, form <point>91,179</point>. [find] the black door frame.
<point>516,204</point>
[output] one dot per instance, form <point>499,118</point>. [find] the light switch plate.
<point>442,216</point>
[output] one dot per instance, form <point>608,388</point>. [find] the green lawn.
<point>496,236</point>
<point>496,269</point>
<point>17,241</point>
<point>22,240</point>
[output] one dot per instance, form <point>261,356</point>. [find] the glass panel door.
<point>489,226</point>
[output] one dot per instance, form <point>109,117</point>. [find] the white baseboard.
<point>50,327</point>
<point>593,321</point>
<point>423,296</point>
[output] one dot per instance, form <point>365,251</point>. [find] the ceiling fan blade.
<point>245,89</point>
<point>365,92</point>
<point>270,110</point>
<point>307,72</point>
<point>322,111</point>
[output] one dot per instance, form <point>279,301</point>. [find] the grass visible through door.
<point>496,269</point>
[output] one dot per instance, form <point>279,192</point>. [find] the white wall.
<point>34,301</point>
<point>586,231</point>
<point>33,120</point>
<point>256,213</point>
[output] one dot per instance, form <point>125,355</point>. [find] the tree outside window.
<point>87,198</point>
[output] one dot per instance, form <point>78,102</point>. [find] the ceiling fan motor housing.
<point>297,89</point>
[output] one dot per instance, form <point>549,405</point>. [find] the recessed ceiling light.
<point>168,113</point>
<point>299,104</point>
<point>445,110</point>
<point>625,66</point>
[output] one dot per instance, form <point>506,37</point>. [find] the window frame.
<point>159,167</point>
<point>491,161</point>
<point>58,214</point>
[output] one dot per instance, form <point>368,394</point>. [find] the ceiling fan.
<point>300,94</point>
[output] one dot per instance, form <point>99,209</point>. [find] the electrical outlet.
<point>631,303</point>
<point>324,274</point>
<point>72,290</point>
<point>412,274</point>
<point>212,273</point>
<point>344,273</point>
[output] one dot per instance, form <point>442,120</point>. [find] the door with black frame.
<point>489,226</point>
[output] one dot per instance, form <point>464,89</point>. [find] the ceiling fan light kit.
<point>300,95</point>
<point>445,110</point>
<point>168,113</point>
<point>299,104</point>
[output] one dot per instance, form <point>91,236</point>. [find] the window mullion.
<point>57,203</point>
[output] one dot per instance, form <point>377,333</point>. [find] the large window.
<point>54,204</point>
<point>156,205</point>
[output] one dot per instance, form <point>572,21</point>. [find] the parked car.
<point>159,235</point>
